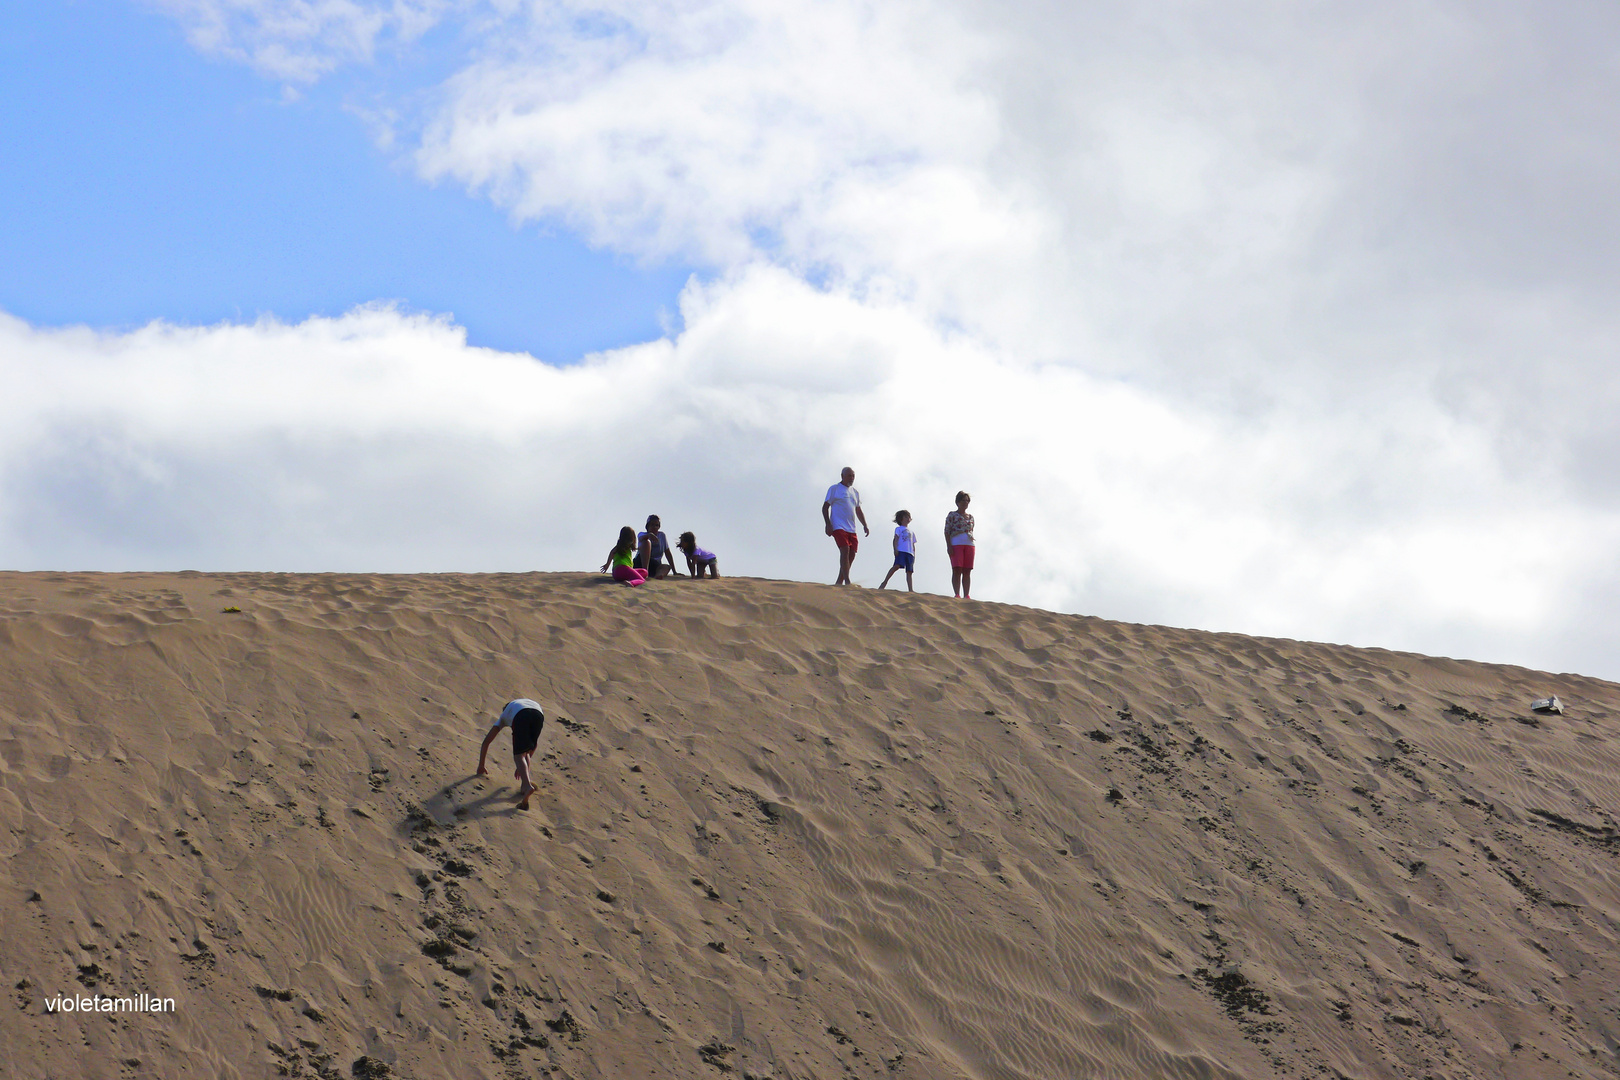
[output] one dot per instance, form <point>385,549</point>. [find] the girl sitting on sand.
<point>620,558</point>
<point>697,560</point>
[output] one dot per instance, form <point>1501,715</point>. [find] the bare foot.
<point>523,798</point>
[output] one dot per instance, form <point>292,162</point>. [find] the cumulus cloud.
<point>721,130</point>
<point>381,440</point>
<point>1286,320</point>
<point>1231,201</point>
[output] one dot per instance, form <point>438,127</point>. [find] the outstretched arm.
<point>483,751</point>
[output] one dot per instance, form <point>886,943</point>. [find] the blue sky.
<point>144,181</point>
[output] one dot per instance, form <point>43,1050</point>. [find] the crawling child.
<point>526,719</point>
<point>697,560</point>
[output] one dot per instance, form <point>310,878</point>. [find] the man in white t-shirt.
<point>840,510</point>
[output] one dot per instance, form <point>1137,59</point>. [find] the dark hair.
<point>686,538</point>
<point>960,495</point>
<point>898,514</point>
<point>652,518</point>
<point>627,541</point>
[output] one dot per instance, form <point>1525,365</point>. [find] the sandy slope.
<point>783,831</point>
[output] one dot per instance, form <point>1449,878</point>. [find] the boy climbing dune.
<point>525,718</point>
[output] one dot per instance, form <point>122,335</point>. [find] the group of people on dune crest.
<point>640,557</point>
<point>841,510</point>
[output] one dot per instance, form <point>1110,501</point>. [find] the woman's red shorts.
<point>961,556</point>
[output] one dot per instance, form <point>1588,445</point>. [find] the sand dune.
<point>782,831</point>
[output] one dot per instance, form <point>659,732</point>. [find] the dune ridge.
<point>783,831</point>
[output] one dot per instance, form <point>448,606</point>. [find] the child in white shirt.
<point>905,549</point>
<point>526,719</point>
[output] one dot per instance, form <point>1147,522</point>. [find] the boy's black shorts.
<point>526,727</point>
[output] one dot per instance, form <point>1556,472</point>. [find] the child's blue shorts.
<point>905,559</point>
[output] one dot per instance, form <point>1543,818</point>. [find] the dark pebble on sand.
<point>369,1068</point>
<point>714,1053</point>
<point>565,1024</point>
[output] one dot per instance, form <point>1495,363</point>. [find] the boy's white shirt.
<point>515,706</point>
<point>905,540</point>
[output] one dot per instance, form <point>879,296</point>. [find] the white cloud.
<point>382,441</point>
<point>718,129</point>
<point>300,40</point>
<point>1280,319</point>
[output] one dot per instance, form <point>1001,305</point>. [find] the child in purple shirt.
<point>697,560</point>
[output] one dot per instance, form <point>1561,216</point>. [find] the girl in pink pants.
<point>620,558</point>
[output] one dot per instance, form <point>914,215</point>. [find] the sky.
<point>1291,320</point>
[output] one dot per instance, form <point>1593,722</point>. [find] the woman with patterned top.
<point>959,545</point>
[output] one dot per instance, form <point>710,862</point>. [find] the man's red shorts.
<point>961,556</point>
<point>846,539</point>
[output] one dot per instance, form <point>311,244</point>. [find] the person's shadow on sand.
<point>482,807</point>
